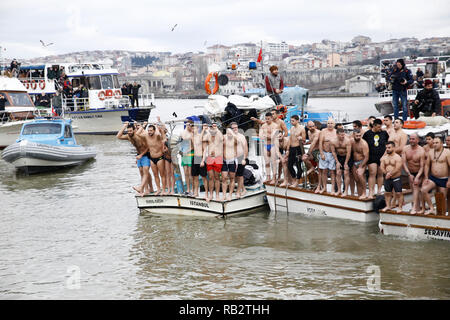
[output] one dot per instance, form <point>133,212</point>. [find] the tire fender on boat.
<point>216,85</point>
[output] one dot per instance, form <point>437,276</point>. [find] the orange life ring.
<point>101,95</point>
<point>42,84</point>
<point>33,85</point>
<point>216,86</point>
<point>26,84</point>
<point>412,124</point>
<point>117,94</point>
<point>109,93</point>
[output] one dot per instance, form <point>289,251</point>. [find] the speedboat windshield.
<point>42,128</point>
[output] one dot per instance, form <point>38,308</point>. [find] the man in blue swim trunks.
<point>142,158</point>
<point>437,167</point>
<point>266,135</point>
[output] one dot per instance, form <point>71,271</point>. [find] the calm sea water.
<point>77,234</point>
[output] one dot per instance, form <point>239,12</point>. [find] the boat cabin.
<point>17,103</point>
<point>50,131</point>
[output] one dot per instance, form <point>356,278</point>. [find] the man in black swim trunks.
<point>391,166</point>
<point>376,139</point>
<point>341,148</point>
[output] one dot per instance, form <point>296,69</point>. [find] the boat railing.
<point>413,92</point>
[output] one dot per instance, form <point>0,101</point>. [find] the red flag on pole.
<point>259,56</point>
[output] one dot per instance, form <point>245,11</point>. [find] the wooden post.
<point>440,204</point>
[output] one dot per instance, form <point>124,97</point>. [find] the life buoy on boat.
<point>117,94</point>
<point>109,93</point>
<point>365,122</point>
<point>412,124</point>
<point>216,85</point>
<point>41,84</point>
<point>33,85</point>
<point>101,95</point>
<point>26,84</point>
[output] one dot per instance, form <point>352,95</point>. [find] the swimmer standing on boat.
<point>391,166</point>
<point>230,145</point>
<point>266,133</point>
<point>413,157</point>
<point>297,139</point>
<point>242,155</point>
<point>214,161</point>
<point>142,158</point>
<point>187,154</point>
<point>341,147</point>
<point>360,153</point>
<point>199,141</point>
<point>327,161</point>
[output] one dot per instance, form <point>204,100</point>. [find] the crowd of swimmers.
<point>358,163</point>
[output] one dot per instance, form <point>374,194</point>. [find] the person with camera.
<point>427,101</point>
<point>400,78</point>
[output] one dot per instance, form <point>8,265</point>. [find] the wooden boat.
<point>305,201</point>
<point>178,204</point>
<point>415,226</point>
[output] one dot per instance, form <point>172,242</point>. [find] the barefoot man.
<point>230,144</point>
<point>142,158</point>
<point>266,132</point>
<point>297,139</point>
<point>327,162</point>
<point>376,139</point>
<point>413,158</point>
<point>437,168</point>
<point>187,154</point>
<point>214,161</point>
<point>311,158</point>
<point>360,153</point>
<point>281,148</point>
<point>199,141</point>
<point>242,154</point>
<point>156,148</point>
<point>391,166</point>
<point>341,147</point>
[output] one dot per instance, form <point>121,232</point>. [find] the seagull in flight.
<point>45,45</point>
<point>173,28</point>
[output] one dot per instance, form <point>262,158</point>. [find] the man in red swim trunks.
<point>214,161</point>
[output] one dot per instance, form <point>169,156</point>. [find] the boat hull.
<point>306,202</point>
<point>190,206</point>
<point>33,157</point>
<point>416,227</point>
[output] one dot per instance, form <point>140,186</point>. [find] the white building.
<point>276,49</point>
<point>360,84</point>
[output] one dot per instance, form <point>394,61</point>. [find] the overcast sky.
<point>146,25</point>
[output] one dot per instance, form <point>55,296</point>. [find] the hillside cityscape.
<point>320,66</point>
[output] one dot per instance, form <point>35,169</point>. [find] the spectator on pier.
<point>124,90</point>
<point>436,84</point>
<point>57,103</point>
<point>274,85</point>
<point>14,67</point>
<point>427,101</point>
<point>54,73</point>
<point>42,100</point>
<point>401,79</point>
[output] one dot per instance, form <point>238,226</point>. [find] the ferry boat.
<point>104,107</point>
<point>19,109</point>
<point>433,67</point>
<point>46,144</point>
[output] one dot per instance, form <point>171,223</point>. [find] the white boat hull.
<point>310,204</point>
<point>183,205</point>
<point>416,227</point>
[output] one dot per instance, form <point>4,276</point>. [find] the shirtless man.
<point>199,141</point>
<point>266,132</point>
<point>391,166</point>
<point>360,153</point>
<point>142,158</point>
<point>282,149</point>
<point>311,158</point>
<point>230,144</point>
<point>242,155</point>
<point>341,148</point>
<point>214,161</point>
<point>187,154</point>
<point>168,167</point>
<point>376,138</point>
<point>429,143</point>
<point>413,158</point>
<point>437,168</point>
<point>297,139</point>
<point>275,119</point>
<point>327,161</point>
<point>447,142</point>
<point>156,147</point>
<point>388,127</point>
<point>357,125</point>
<point>398,136</point>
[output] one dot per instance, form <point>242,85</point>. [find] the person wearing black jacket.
<point>400,78</point>
<point>427,101</point>
<point>134,92</point>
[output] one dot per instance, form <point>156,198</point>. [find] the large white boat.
<point>19,109</point>
<point>434,68</point>
<point>101,110</point>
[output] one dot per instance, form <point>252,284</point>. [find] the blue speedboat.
<point>46,144</point>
